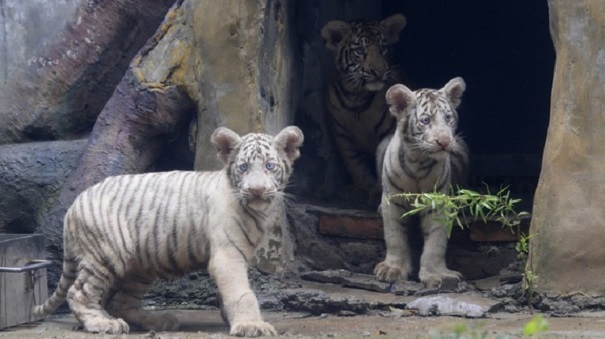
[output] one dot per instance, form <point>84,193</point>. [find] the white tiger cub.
<point>424,154</point>
<point>123,233</point>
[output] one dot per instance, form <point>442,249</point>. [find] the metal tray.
<point>22,277</point>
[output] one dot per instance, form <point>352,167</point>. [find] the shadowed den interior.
<point>505,54</point>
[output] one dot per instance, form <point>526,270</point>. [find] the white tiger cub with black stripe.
<point>423,155</point>
<point>123,233</point>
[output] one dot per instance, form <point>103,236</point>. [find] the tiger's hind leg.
<point>86,297</point>
<point>126,304</point>
<point>433,269</point>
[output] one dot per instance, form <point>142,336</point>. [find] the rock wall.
<point>244,63</point>
<point>567,250</point>
<point>31,174</point>
<point>25,26</point>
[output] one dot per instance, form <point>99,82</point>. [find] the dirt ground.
<point>208,324</point>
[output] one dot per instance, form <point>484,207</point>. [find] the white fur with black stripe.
<point>423,155</point>
<point>123,233</point>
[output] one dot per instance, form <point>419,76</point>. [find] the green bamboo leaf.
<point>459,222</point>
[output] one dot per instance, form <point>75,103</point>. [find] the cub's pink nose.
<point>443,142</point>
<point>257,192</point>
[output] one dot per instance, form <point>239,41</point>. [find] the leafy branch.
<point>456,209</point>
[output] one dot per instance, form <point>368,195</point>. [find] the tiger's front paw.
<point>390,272</point>
<point>252,329</point>
<point>434,279</point>
<point>106,326</point>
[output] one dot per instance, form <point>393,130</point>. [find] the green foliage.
<point>536,325</point>
<point>461,331</point>
<point>522,246</point>
<point>456,208</point>
<point>529,277</point>
<point>464,204</point>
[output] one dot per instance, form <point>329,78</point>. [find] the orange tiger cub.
<point>356,93</point>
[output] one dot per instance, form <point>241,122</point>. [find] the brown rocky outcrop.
<point>567,251</point>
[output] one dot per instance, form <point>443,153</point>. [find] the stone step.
<point>366,225</point>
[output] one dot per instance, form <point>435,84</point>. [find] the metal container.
<point>22,277</point>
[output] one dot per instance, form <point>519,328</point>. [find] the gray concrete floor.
<point>208,324</point>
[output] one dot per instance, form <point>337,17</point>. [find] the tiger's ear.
<point>225,141</point>
<point>400,99</point>
<point>333,32</point>
<point>393,26</point>
<point>289,141</point>
<point>454,89</point>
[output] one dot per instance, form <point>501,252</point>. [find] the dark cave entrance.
<point>502,49</point>
<point>505,54</point>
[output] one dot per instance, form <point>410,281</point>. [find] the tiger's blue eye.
<point>425,120</point>
<point>270,166</point>
<point>448,118</point>
<point>243,167</point>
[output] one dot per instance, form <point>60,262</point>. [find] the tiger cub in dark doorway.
<point>356,92</point>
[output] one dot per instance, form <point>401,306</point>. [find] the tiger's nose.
<point>257,191</point>
<point>444,142</point>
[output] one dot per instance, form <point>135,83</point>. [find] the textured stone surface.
<point>241,70</point>
<point>313,251</point>
<point>58,92</point>
<point>30,177</point>
<point>26,26</point>
<point>567,252</point>
<point>351,226</point>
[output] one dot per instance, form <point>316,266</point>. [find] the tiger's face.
<point>258,164</point>
<point>427,118</point>
<point>362,50</point>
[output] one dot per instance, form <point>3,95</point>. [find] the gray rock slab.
<point>498,280</point>
<point>334,294</point>
<point>366,282</point>
<point>327,276</point>
<point>464,305</point>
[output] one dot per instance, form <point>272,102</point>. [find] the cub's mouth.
<point>375,85</point>
<point>439,153</point>
<point>257,200</point>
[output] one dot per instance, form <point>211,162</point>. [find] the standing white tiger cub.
<point>123,233</point>
<point>423,155</point>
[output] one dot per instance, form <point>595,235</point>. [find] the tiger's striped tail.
<point>67,279</point>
